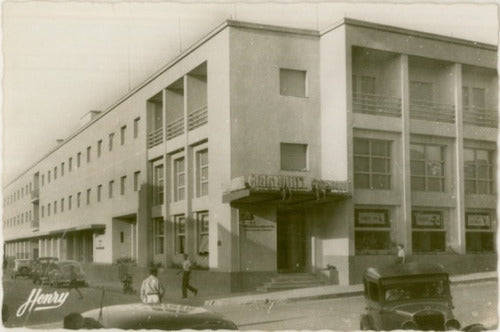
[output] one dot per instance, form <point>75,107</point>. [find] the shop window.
<point>479,235</point>
<point>372,163</point>
<point>427,167</point>
<point>293,157</point>
<point>179,179</point>
<point>428,233</point>
<point>478,168</point>
<point>293,82</point>
<point>372,231</point>
<point>158,187</point>
<point>202,221</point>
<point>202,173</point>
<point>180,234</point>
<point>158,235</point>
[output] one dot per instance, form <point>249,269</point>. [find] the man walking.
<point>186,273</point>
<point>73,281</point>
<point>151,289</point>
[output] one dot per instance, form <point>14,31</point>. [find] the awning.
<point>92,227</point>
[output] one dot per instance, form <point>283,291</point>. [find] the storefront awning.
<point>92,227</point>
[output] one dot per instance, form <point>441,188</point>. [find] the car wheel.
<point>365,323</point>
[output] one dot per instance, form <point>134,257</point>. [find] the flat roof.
<point>405,270</point>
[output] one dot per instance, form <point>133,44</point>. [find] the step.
<point>292,279</point>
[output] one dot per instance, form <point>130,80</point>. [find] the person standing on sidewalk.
<point>151,289</point>
<point>73,281</point>
<point>401,254</point>
<point>186,274</point>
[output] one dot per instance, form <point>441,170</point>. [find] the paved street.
<point>476,302</point>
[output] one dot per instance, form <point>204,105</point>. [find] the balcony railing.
<point>425,110</point>
<point>198,118</point>
<point>35,195</point>
<point>155,137</point>
<point>480,117</point>
<point>175,128</point>
<point>375,104</point>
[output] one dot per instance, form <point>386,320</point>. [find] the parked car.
<point>22,267</point>
<point>161,316</point>
<point>40,269</point>
<point>59,273</point>
<point>413,296</point>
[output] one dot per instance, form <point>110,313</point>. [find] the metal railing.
<point>425,110</point>
<point>155,137</point>
<point>175,128</point>
<point>198,118</point>
<point>376,104</point>
<point>480,116</point>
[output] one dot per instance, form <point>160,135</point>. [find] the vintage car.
<point>161,316</point>
<point>59,273</point>
<point>22,267</point>
<point>413,296</point>
<point>41,266</point>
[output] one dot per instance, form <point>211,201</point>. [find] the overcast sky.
<point>62,59</point>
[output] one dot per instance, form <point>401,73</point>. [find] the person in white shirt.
<point>151,289</point>
<point>401,254</point>
<point>186,273</point>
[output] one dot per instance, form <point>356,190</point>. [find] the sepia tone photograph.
<point>242,165</point>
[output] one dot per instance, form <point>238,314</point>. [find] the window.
<point>70,164</point>
<point>372,231</point>
<point>62,204</point>
<point>111,184</point>
<point>158,188</point>
<point>202,173</point>
<point>48,181</point>
<point>88,153</point>
<point>428,233</point>
<point>136,127</point>
<point>372,164</point>
<point>363,84</point>
<point>122,185</point>
<point>474,98</point>
<point>43,179</point>
<point>202,221</point>
<point>99,189</point>
<point>70,201</point>
<point>421,91</point>
<point>136,180</point>
<point>48,209</point>
<point>293,157</point>
<point>122,135</point>
<point>55,172</point>
<point>99,148</point>
<point>158,236</point>
<point>111,137</point>
<point>180,233</point>
<point>427,167</point>
<point>78,199</point>
<point>78,159</point>
<point>293,83</point>
<point>478,171</point>
<point>43,211</point>
<point>62,168</point>
<point>479,235</point>
<point>179,180</point>
<point>121,237</point>
<point>88,196</point>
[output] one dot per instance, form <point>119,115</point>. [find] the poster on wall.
<point>427,219</point>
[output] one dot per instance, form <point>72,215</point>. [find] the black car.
<point>41,267</point>
<point>412,296</point>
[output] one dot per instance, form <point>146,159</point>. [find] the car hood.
<point>409,309</point>
<point>162,316</point>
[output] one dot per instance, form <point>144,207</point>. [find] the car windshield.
<point>416,290</point>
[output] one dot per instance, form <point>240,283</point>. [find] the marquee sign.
<point>372,218</point>
<point>275,182</point>
<point>427,219</point>
<point>478,220</point>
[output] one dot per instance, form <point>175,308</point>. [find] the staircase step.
<point>291,281</point>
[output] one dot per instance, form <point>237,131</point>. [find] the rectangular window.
<point>158,188</point>
<point>70,164</point>
<point>55,172</point>
<point>474,98</point>
<point>122,135</point>
<point>99,148</point>
<point>428,233</point>
<point>88,196</point>
<point>478,168</point>
<point>136,180</point>
<point>421,91</point>
<point>122,185</point>
<point>111,184</point>
<point>99,189</point>
<point>158,236</point>
<point>180,234</point>
<point>202,173</point>
<point>136,127</point>
<point>88,153</point>
<point>111,138</point>
<point>363,85</point>
<point>78,199</point>
<point>480,234</point>
<point>179,180</point>
<point>372,231</point>
<point>121,237</point>
<point>78,159</point>
<point>43,211</point>
<point>427,167</point>
<point>48,210</point>
<point>70,202</point>
<point>62,168</point>
<point>372,163</point>
<point>293,82</point>
<point>62,204</point>
<point>202,227</point>
<point>293,157</point>
<point>48,180</point>
<point>43,179</point>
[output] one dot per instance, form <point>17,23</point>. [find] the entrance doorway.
<point>291,241</point>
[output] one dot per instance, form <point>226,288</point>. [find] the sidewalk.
<point>324,292</point>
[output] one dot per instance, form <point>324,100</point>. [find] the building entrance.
<point>291,241</point>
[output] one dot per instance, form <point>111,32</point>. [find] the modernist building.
<point>264,149</point>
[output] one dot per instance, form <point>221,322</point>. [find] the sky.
<point>62,59</point>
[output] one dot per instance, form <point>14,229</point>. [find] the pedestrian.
<point>151,289</point>
<point>73,281</point>
<point>186,274</point>
<point>401,256</point>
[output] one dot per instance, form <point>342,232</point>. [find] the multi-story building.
<point>265,149</point>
